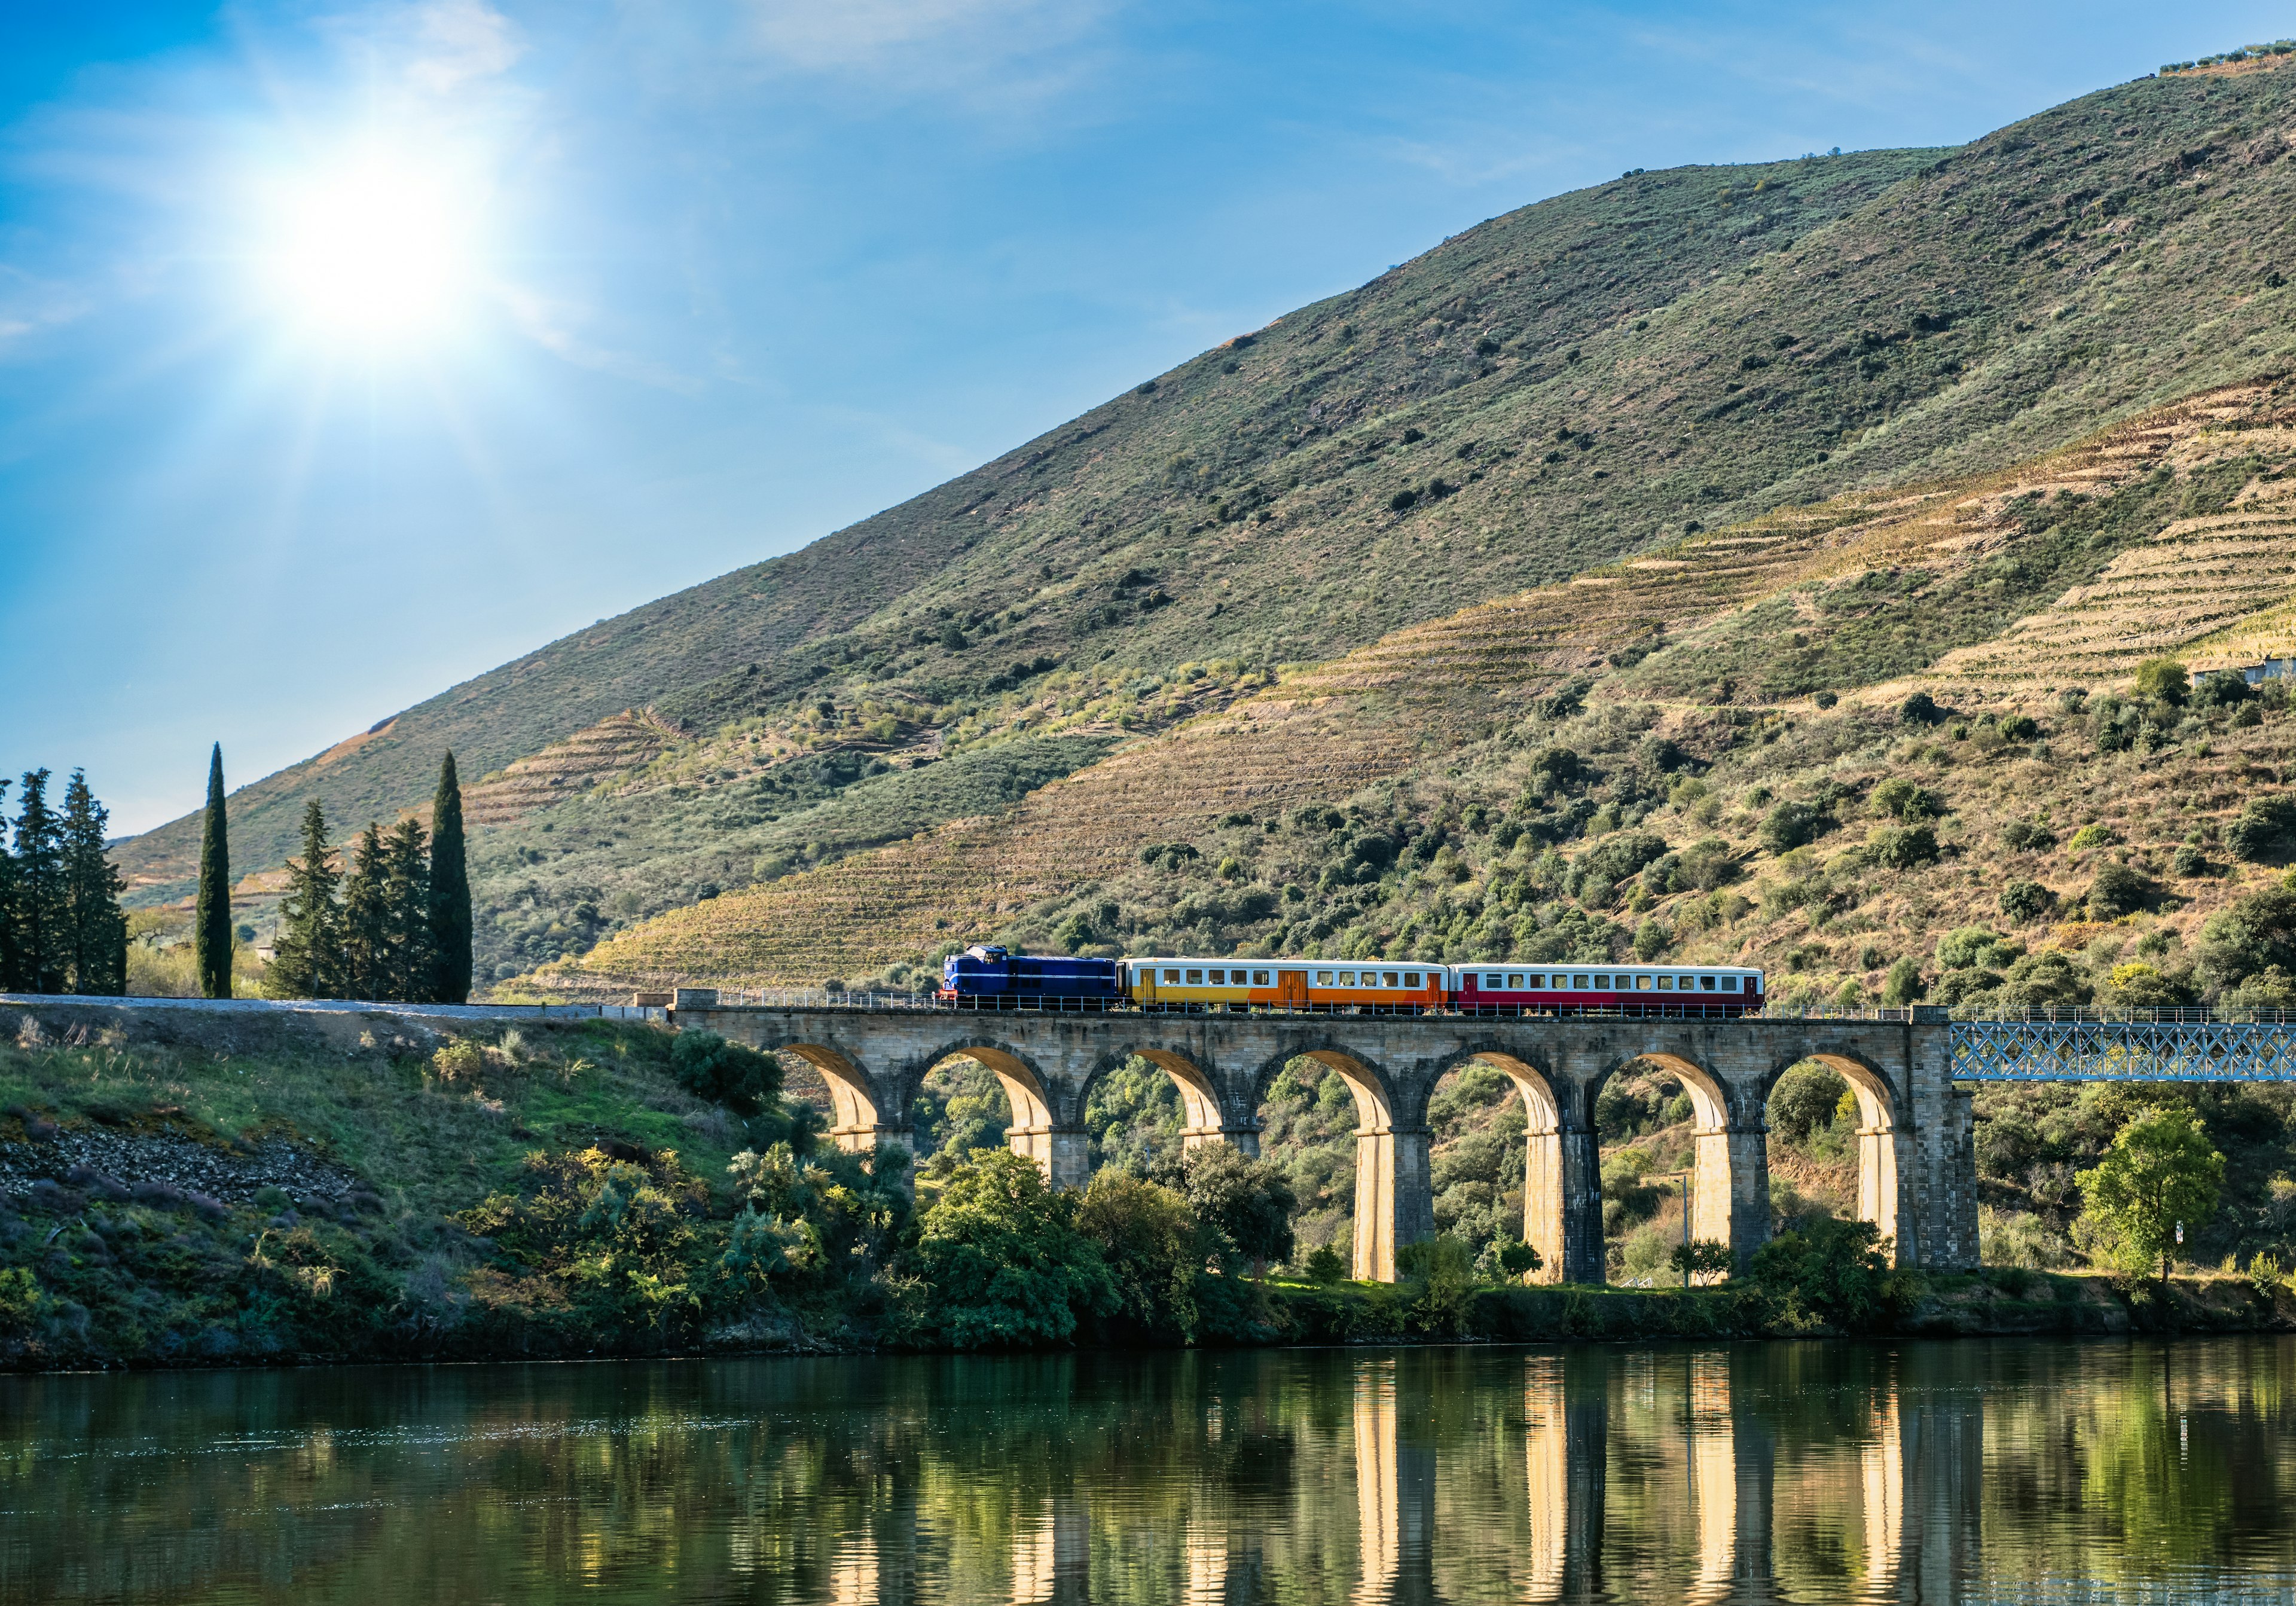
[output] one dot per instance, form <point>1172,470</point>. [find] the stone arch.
<point>1730,1183</point>
<point>862,1122</point>
<point>1880,1132</point>
<point>1545,1226</point>
<point>1395,1204</point>
<point>1060,1152</point>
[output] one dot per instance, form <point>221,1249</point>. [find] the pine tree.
<point>366,921</point>
<point>97,939</point>
<point>11,978</point>
<point>450,894</point>
<point>42,953</point>
<point>211,921</point>
<point>309,963</point>
<point>407,897</point>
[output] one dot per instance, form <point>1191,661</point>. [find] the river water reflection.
<point>2027,1471</point>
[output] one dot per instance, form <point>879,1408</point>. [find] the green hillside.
<point>1551,390</point>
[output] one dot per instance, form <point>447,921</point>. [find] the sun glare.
<point>375,248</point>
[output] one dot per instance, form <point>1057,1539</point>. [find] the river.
<point>2046,1470</point>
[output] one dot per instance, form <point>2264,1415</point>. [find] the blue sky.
<point>698,283</point>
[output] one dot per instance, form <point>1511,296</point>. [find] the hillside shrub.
<point>2095,834</point>
<point>1791,825</point>
<point>2019,727</point>
<point>2254,934</point>
<point>1901,846</point>
<point>2119,889</point>
<point>1902,800</point>
<point>1706,865</point>
<point>1920,709</point>
<point>2139,986</point>
<point>709,1066</point>
<point>2222,689</point>
<point>2024,836</point>
<point>2025,902</point>
<point>2265,828</point>
<point>1967,946</point>
<point>1904,984</point>
<point>2162,680</point>
<point>1623,855</point>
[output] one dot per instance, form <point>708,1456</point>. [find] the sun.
<point>376,248</point>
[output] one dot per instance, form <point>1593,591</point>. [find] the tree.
<point>2118,891</point>
<point>2025,901</point>
<point>2161,1173</point>
<point>2256,933</point>
<point>1789,826</point>
<point>310,959</point>
<point>366,919</point>
<point>1002,1259</point>
<point>43,951</point>
<point>1518,1260</point>
<point>2264,827</point>
<point>211,919</point>
<point>407,900</point>
<point>732,1074</point>
<point>1246,1201</point>
<point>1904,984</point>
<point>96,940</point>
<point>1154,1247</point>
<point>450,893</point>
<point>11,977</point>
<point>2162,680</point>
<point>1804,1099</point>
<point>1836,1271</point>
<point>1702,1261</point>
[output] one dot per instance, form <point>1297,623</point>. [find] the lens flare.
<point>376,248</point>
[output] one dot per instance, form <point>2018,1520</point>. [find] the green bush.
<point>1836,1272</point>
<point>2117,890</point>
<point>2264,829</point>
<point>1791,825</point>
<point>1804,1099</point>
<point>2025,901</point>
<point>2162,680</point>
<point>1965,946</point>
<point>1902,800</point>
<point>709,1066</point>
<point>1904,984</point>
<point>1247,1202</point>
<point>1442,1271</point>
<point>1324,1265</point>
<point>2095,834</point>
<point>998,1262</point>
<point>1901,846</point>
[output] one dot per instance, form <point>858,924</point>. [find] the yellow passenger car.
<point>1284,983</point>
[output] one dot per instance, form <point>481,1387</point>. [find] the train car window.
<point>1195,979</point>
<point>1666,984</point>
<point>1346,978</point>
<point>1323,979</point>
<point>1495,983</point>
<point>1514,982</point>
<point>1392,980</point>
<point>1171,975</point>
<point>1642,984</point>
<point>1411,979</point>
<point>1216,978</point>
<point>1259,979</point>
<point>1579,983</point>
<point>1601,984</point>
<point>1729,984</point>
<point>1706,984</point>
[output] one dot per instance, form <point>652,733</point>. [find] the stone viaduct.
<point>1918,1167</point>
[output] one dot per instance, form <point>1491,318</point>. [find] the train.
<point>988,977</point>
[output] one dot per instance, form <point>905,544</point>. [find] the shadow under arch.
<point>1880,1132</point>
<point>1730,1183</point>
<point>1395,1202</point>
<point>1203,1118</point>
<point>1546,1183</point>
<point>861,1124</point>
<point>1060,1152</point>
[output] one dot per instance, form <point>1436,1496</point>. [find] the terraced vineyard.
<point>613,748</point>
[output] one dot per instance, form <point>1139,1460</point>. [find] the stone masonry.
<point>1918,1170</point>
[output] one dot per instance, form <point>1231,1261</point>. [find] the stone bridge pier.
<point>1917,1168</point>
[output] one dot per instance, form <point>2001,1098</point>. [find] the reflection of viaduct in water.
<point>1918,1168</point>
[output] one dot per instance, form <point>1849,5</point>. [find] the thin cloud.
<point>549,325</point>
<point>1006,55</point>
<point>461,42</point>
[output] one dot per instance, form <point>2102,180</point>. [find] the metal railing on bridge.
<point>2159,1046</point>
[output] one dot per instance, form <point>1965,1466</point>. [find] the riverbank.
<point>207,1189</point>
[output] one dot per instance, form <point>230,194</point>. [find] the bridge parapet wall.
<point>1917,1161</point>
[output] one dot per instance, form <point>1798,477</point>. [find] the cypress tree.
<point>11,978</point>
<point>211,919</point>
<point>310,961</point>
<point>450,894</point>
<point>97,930</point>
<point>407,897</point>
<point>366,921</point>
<point>42,953</point>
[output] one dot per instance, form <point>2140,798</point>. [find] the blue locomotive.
<point>992,977</point>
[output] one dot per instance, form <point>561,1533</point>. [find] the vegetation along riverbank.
<point>203,1190</point>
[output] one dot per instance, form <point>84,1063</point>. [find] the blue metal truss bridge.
<point>2068,1046</point>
